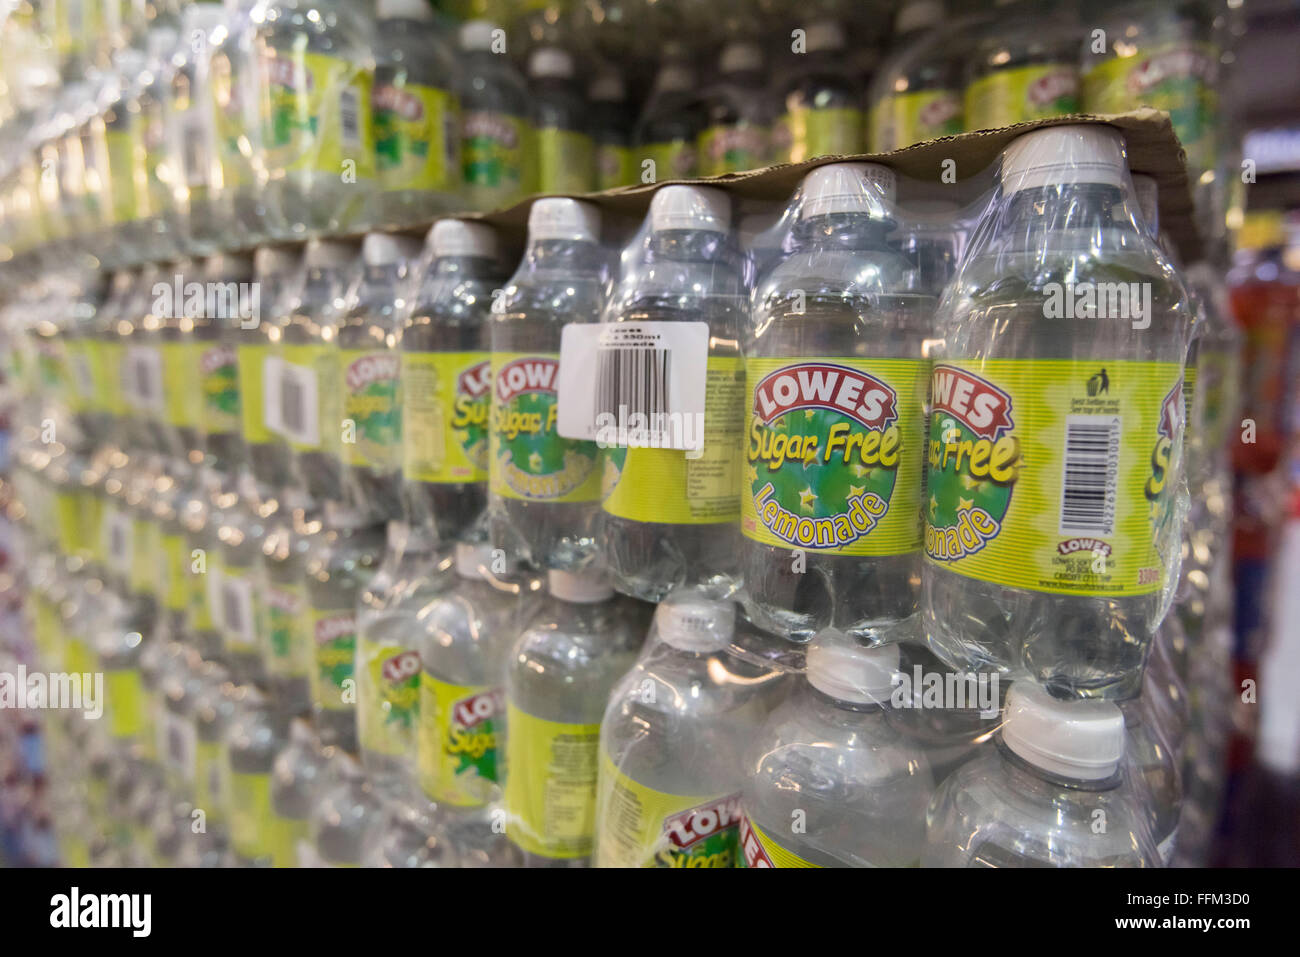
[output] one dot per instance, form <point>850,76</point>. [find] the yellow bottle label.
<point>417,137</point>
<point>759,850</point>
<point>566,161</point>
<point>319,115</point>
<point>182,398</point>
<point>673,159</point>
<point>446,399</point>
<point>550,792</point>
<point>289,631</point>
<point>389,711</point>
<point>615,166</point>
<point>733,148</point>
<point>252,405</point>
<point>334,640</point>
<point>804,133</point>
<point>459,741</point>
<point>255,830</point>
<point>902,119</point>
<point>1025,93</point>
<point>174,570</point>
<point>124,691</point>
<point>371,414</point>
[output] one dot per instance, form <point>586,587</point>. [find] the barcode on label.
<point>290,405</point>
<point>1091,472</point>
<point>633,381</point>
<point>349,112</point>
<point>142,380</point>
<point>235,614</point>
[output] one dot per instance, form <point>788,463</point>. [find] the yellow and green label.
<point>615,166</point>
<point>566,161</point>
<point>902,119</point>
<point>1025,93</point>
<point>219,389</point>
<point>318,115</point>
<point>733,148</point>
<point>643,827</point>
<point>758,849</point>
<point>126,172</point>
<point>1178,78</point>
<point>495,151</point>
<point>71,523</point>
<point>315,429</point>
<point>417,131</point>
<point>200,608</point>
<point>833,454</point>
<point>251,358</point>
<point>146,550</point>
<point>108,377</point>
<point>229,112</point>
<point>458,743</point>
<point>550,792</point>
<point>1053,475</point>
<point>804,133</point>
<point>289,631</point>
<point>126,702</point>
<point>211,776</point>
<point>446,401</point>
<point>255,830</point>
<point>334,640</point>
<point>528,459</point>
<point>389,712</point>
<point>182,401</point>
<point>672,159</point>
<point>174,572</point>
<point>663,485</point>
<point>370,380</point>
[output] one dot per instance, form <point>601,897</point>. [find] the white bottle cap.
<point>276,260</point>
<point>1083,740</point>
<point>696,624</point>
<point>918,14</point>
<point>384,249</point>
<point>581,588</point>
<point>559,218</point>
<point>824,35</point>
<point>740,57</point>
<point>328,254</point>
<point>1060,155</point>
<point>550,62</point>
<point>456,237</point>
<point>473,561</point>
<point>607,88</point>
<point>477,34</point>
<point>839,667</point>
<point>403,10</point>
<point>848,188</point>
<point>690,207</point>
<point>1148,200</point>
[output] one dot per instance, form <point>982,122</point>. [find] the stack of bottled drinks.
<point>880,525</point>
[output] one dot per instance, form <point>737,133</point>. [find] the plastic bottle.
<point>243,595</point>
<point>234,80</point>
<point>558,681</point>
<point>465,639</point>
<point>446,377</point>
<point>917,93</point>
<point>820,112</point>
<point>369,377</point>
<point>611,131</point>
<point>407,837</point>
<point>544,489</point>
<point>279,270</point>
<point>669,126</point>
<point>416,115</point>
<point>301,404</point>
<point>1023,66</point>
<point>496,137</point>
<point>565,151</point>
<point>317,135</point>
<point>202,518</point>
<point>344,818</point>
<point>672,739</point>
<point>831,753</point>
<point>298,775</point>
<point>192,131</point>
<point>737,116</point>
<point>343,560</point>
<point>216,333</point>
<point>835,541</point>
<point>214,707</point>
<point>258,732</point>
<point>1035,800</point>
<point>669,520</point>
<point>288,654</point>
<point>1076,601</point>
<point>1153,769</point>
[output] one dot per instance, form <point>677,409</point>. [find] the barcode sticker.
<point>290,402</point>
<point>1090,474</point>
<point>142,378</point>
<point>182,745</point>
<point>237,611</point>
<point>350,116</point>
<point>117,539</point>
<point>637,384</point>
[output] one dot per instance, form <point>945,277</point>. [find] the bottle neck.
<point>1066,206</point>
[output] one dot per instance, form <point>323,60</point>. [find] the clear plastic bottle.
<point>214,708</point>
<point>496,137</point>
<point>234,80</point>
<point>344,818</point>
<point>834,351</point>
<point>243,598</point>
<point>669,126</point>
<point>407,837</point>
<point>192,145</point>
<point>1036,799</point>
<point>368,377</point>
<point>672,740</point>
<point>279,271</point>
<point>298,775</point>
<point>317,70</point>
<point>416,115</point>
<point>180,687</point>
<point>445,343</point>
<point>1027,392</point>
<point>465,639</point>
<point>288,654</point>
<point>544,490</point>
<point>343,560</point>
<point>737,115</point>
<point>611,131</point>
<point>202,519</point>
<point>917,92</point>
<point>558,681</point>
<point>819,109</point>
<point>258,732</point>
<point>1154,771</point>
<point>216,333</point>
<point>302,404</point>
<point>565,152</point>
<point>831,783</point>
<point>669,520</point>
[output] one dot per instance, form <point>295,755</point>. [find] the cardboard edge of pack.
<point>1153,148</point>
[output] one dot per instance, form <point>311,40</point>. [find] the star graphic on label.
<point>965,503</point>
<point>934,504</point>
<point>535,461</point>
<point>806,499</point>
<point>752,472</point>
<point>859,470</point>
<point>461,436</point>
<point>808,414</point>
<point>855,490</point>
<point>968,482</point>
<point>1157,511</point>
